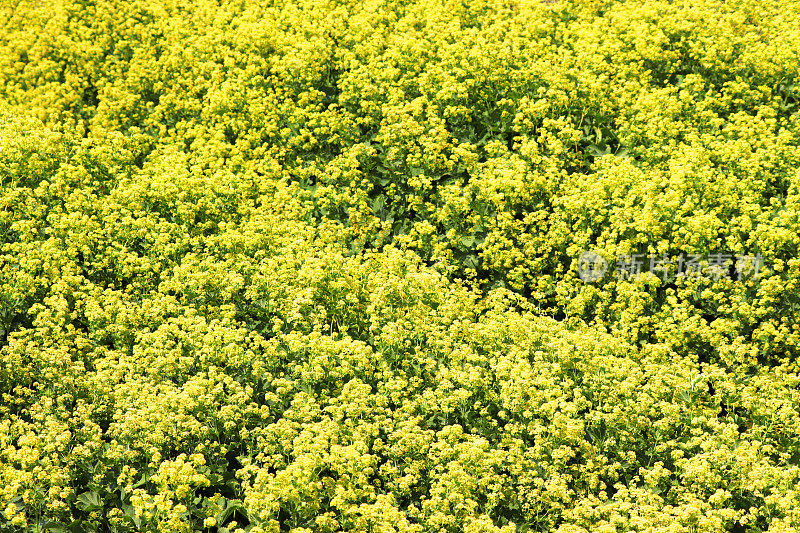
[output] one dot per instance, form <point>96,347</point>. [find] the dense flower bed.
<point>314,266</point>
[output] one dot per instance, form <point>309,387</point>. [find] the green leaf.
<point>144,479</point>
<point>55,527</point>
<point>90,501</point>
<point>77,526</point>
<point>231,506</point>
<point>378,204</point>
<point>130,514</point>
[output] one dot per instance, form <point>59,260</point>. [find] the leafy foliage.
<point>311,266</point>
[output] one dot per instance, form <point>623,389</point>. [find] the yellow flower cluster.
<point>312,266</point>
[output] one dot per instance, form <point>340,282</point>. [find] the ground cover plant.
<point>310,265</point>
